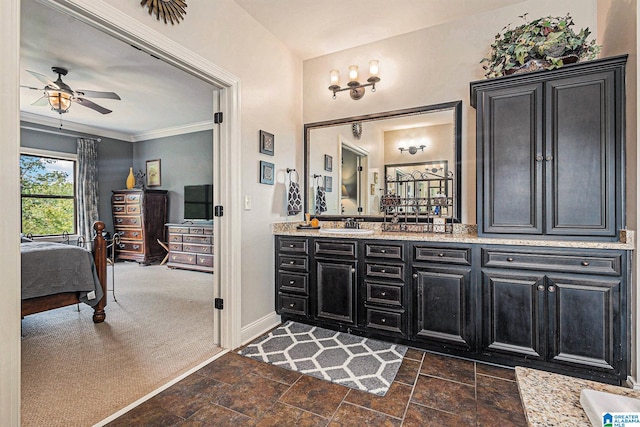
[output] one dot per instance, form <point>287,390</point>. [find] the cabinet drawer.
<point>127,220</point>
<point>175,246</point>
<point>291,263</point>
<point>196,239</point>
<point>378,293</point>
<point>577,263</point>
<point>384,320</point>
<point>201,249</point>
<point>131,234</point>
<point>131,247</point>
<point>118,209</point>
<point>133,209</point>
<point>183,258</point>
<point>196,230</point>
<point>292,304</point>
<point>385,271</point>
<point>291,282</point>
<point>335,248</point>
<point>204,260</point>
<point>175,237</point>
<point>384,251</point>
<point>133,198</point>
<point>117,198</point>
<point>444,255</point>
<point>179,230</point>
<point>291,245</point>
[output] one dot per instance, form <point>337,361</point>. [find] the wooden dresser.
<point>139,217</point>
<point>191,246</point>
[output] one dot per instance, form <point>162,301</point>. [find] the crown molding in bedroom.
<point>106,133</point>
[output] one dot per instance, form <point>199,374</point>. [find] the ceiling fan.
<point>60,96</point>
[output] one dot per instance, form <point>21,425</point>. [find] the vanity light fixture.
<point>356,90</point>
<point>412,150</point>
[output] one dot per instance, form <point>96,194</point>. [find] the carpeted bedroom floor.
<point>75,372</point>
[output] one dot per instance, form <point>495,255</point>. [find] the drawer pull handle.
<point>585,263</point>
<point>135,234</point>
<point>549,157</point>
<point>119,220</point>
<point>383,294</point>
<point>292,246</point>
<point>539,158</point>
<point>440,254</point>
<point>415,276</point>
<point>383,320</point>
<point>382,251</point>
<point>353,270</point>
<point>552,288</point>
<point>292,262</point>
<point>541,287</point>
<point>383,271</point>
<point>509,259</point>
<point>292,282</point>
<point>292,305</point>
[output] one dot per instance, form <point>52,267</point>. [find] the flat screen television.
<point>198,202</point>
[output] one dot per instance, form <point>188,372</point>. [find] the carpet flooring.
<point>356,362</point>
<point>75,372</point>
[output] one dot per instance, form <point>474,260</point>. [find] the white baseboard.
<point>633,382</point>
<point>259,327</point>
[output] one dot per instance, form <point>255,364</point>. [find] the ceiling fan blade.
<point>31,87</point>
<point>41,102</point>
<point>92,105</point>
<point>97,94</point>
<point>44,79</point>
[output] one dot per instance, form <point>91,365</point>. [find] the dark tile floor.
<point>429,390</point>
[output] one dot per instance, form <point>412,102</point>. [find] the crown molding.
<point>106,133</point>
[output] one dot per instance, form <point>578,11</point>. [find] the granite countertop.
<point>554,400</point>
<point>461,234</point>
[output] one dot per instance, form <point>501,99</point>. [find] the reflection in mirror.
<point>357,154</point>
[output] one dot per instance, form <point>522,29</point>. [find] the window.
<point>47,194</point>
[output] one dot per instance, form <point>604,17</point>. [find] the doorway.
<point>353,180</point>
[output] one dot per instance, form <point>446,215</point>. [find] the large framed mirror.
<point>347,161</point>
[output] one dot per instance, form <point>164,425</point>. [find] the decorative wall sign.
<point>328,163</point>
<point>328,184</point>
<point>174,10</point>
<point>267,143</point>
<point>267,172</point>
<point>153,173</point>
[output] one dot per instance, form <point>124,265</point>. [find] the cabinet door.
<point>509,160</point>
<point>336,290</point>
<point>513,313</point>
<point>584,322</point>
<point>444,305</point>
<point>580,156</point>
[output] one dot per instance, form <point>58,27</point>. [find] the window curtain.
<point>87,186</point>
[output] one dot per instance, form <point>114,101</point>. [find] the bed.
<point>56,275</point>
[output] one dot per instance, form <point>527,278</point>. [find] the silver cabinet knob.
<point>382,251</point>
<point>440,254</point>
<point>383,294</point>
<point>353,270</point>
<point>415,276</point>
<point>292,305</point>
<point>549,157</point>
<point>509,259</point>
<point>383,320</point>
<point>585,263</point>
<point>291,262</point>
<point>383,271</point>
<point>539,158</point>
<point>292,246</point>
<point>551,288</point>
<point>292,282</point>
<point>541,287</point>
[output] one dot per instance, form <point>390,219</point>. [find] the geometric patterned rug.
<point>361,363</point>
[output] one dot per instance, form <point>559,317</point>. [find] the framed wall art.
<point>267,143</point>
<point>328,163</point>
<point>328,184</point>
<point>267,172</point>
<point>153,173</point>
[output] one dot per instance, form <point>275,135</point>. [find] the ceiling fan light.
<point>59,101</point>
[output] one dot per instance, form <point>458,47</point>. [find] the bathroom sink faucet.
<point>351,223</point>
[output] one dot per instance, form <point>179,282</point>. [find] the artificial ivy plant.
<point>545,43</point>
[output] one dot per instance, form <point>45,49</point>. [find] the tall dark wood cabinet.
<point>550,152</point>
<point>139,217</point>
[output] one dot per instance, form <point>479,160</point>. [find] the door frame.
<point>228,231</point>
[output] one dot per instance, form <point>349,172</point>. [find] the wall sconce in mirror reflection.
<point>355,88</point>
<point>345,193</point>
<point>412,150</point>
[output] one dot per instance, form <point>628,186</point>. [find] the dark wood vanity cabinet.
<point>336,281</point>
<point>562,308</point>
<point>550,150</point>
<point>443,296</point>
<point>292,276</point>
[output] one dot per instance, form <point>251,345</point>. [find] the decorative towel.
<point>321,201</point>
<point>294,199</point>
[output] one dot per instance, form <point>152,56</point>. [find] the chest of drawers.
<point>191,247</point>
<point>139,217</point>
